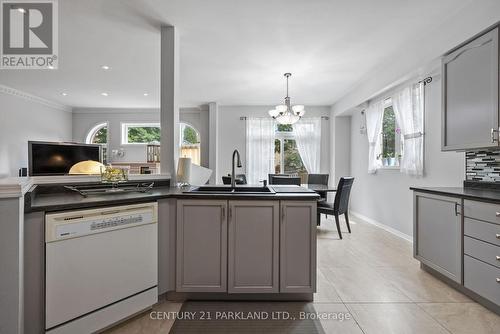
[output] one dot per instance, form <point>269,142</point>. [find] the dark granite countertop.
<point>66,200</point>
<point>480,194</point>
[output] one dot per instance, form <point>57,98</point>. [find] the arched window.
<point>190,143</point>
<point>99,135</point>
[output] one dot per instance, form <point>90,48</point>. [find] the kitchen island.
<point>216,244</point>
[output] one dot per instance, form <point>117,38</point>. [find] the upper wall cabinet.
<point>470,95</point>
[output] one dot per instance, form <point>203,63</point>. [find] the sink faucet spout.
<point>238,163</point>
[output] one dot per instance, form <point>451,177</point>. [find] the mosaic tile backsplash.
<point>483,166</point>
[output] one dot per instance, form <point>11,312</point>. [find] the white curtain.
<point>260,134</point>
<point>374,116</point>
<point>408,107</point>
<point>307,133</point>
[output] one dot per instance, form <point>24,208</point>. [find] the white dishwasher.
<point>101,266</point>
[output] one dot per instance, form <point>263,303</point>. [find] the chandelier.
<point>286,113</point>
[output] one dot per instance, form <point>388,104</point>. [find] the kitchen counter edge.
<point>61,202</point>
<point>479,194</point>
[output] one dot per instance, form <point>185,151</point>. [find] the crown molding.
<point>33,98</point>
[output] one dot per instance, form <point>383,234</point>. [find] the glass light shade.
<point>301,113</point>
<point>281,108</point>
<point>298,108</point>
<point>287,119</point>
<point>294,119</point>
<point>282,119</point>
<point>273,113</point>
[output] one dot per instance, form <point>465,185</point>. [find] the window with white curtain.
<point>395,129</point>
<point>260,135</point>
<point>282,149</point>
<point>408,106</point>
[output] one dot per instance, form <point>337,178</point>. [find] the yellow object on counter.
<point>88,167</point>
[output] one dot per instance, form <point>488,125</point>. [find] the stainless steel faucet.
<point>233,175</point>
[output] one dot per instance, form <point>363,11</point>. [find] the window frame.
<point>104,146</point>
<point>126,125</point>
<point>182,125</point>
<point>93,131</point>
<point>398,140</point>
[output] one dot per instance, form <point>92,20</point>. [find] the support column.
<point>169,103</point>
<point>213,131</point>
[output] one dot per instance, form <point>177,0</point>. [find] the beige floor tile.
<point>464,318</point>
<point>373,272</point>
<point>336,318</point>
<point>144,324</point>
<point>363,285</point>
<point>421,286</point>
<point>325,290</point>
<point>366,246</point>
<point>394,319</point>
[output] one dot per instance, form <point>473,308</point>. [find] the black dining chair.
<point>340,206</point>
<point>319,179</point>
<point>240,179</point>
<point>281,180</point>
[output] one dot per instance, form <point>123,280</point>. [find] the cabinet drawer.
<point>482,278</point>
<point>482,251</point>
<point>482,211</point>
<point>483,231</point>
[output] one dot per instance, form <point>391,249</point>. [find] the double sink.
<point>230,190</point>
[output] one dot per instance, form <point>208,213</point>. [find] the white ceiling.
<point>231,51</point>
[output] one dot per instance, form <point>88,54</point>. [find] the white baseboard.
<point>382,226</point>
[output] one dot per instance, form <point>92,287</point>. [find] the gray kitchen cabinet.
<point>438,233</point>
<point>470,76</point>
<point>298,247</point>
<point>166,244</point>
<point>253,250</point>
<point>201,259</point>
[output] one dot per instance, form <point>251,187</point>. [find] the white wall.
<point>340,148</point>
<point>23,119</point>
<point>420,55</point>
<point>385,197</point>
<point>85,119</point>
<point>232,134</point>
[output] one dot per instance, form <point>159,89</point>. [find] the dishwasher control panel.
<point>74,224</point>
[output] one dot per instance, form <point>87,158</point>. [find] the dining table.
<point>321,189</point>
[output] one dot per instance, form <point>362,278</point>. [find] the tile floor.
<point>371,277</point>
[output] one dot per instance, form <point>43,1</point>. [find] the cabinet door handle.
<point>223,213</point>
<point>498,280</point>
<point>493,139</point>
<point>456,209</point>
<point>498,258</point>
<point>498,236</point>
<point>230,213</point>
<point>283,214</point>
<point>497,214</point>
